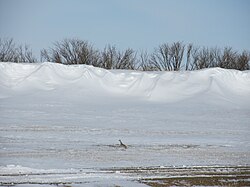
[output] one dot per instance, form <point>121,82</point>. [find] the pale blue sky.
<point>139,24</point>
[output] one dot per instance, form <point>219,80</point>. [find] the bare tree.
<point>215,54</point>
<point>177,51</point>
<point>126,60</point>
<point>44,56</point>
<point>144,62</point>
<point>71,51</point>
<point>108,57</point>
<point>188,55</point>
<point>168,58</point>
<point>243,61</point>
<point>111,58</point>
<point>23,54</point>
<point>161,58</point>
<point>7,50</point>
<point>228,59</point>
<point>194,57</point>
<point>205,58</point>
<point>10,52</point>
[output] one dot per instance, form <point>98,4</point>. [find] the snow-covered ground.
<point>63,119</point>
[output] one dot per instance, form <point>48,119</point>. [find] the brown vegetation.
<point>166,57</point>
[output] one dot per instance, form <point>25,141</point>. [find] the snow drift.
<point>153,86</point>
<point>57,118</point>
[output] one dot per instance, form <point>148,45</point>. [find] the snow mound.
<point>92,81</point>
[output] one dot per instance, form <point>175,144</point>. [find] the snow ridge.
<point>154,86</point>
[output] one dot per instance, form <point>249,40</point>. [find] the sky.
<point>137,24</point>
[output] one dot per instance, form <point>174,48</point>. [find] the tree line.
<point>166,57</point>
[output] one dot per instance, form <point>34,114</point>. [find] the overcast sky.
<point>139,24</point>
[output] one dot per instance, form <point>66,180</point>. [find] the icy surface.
<point>54,116</point>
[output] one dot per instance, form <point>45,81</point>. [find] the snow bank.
<point>153,86</point>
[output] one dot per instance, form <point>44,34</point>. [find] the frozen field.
<point>61,124</point>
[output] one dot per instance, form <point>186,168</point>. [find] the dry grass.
<point>198,181</point>
<point>217,176</point>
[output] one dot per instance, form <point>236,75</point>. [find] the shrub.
<point>166,57</point>
<point>71,51</point>
<point>10,52</point>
